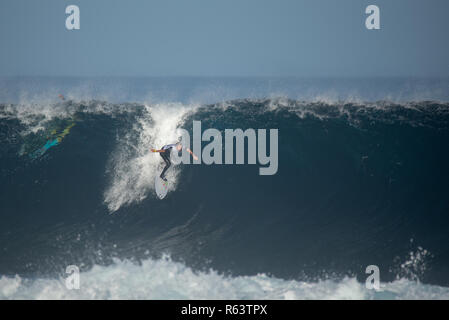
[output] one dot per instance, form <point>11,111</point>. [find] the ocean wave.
<point>355,182</point>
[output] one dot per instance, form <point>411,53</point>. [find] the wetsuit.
<point>166,156</point>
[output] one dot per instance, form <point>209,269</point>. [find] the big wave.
<point>356,182</point>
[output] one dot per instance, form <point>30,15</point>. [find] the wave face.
<point>358,184</point>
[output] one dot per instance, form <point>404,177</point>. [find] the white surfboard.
<point>161,187</point>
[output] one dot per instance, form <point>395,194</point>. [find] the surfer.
<point>52,141</point>
<point>165,152</point>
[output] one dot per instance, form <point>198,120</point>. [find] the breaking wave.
<point>356,181</point>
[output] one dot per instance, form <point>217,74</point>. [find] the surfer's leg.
<point>163,172</point>
<point>167,165</point>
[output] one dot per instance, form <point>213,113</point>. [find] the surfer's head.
<point>178,146</point>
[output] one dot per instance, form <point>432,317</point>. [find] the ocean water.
<point>362,180</point>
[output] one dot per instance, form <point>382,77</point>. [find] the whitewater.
<point>165,279</point>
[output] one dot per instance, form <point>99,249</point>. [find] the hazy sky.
<point>305,38</point>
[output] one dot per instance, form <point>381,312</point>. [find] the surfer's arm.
<point>154,150</point>
<point>193,155</point>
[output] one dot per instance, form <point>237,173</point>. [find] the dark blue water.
<point>359,183</point>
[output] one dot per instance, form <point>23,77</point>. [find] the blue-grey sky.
<point>305,38</point>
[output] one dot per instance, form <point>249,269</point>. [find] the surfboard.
<point>161,187</point>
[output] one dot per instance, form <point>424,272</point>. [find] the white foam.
<point>133,166</point>
<point>165,279</point>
